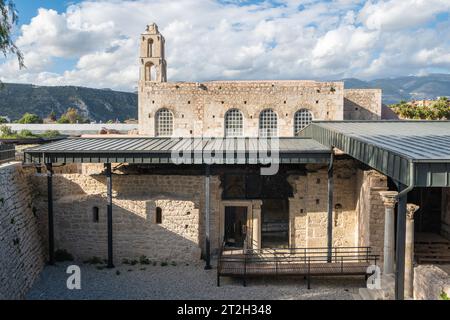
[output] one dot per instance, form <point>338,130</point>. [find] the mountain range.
<point>427,87</point>
<point>105,104</point>
<point>94,104</point>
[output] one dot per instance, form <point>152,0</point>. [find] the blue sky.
<point>29,8</point>
<point>95,43</point>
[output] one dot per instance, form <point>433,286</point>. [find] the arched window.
<point>158,215</point>
<point>268,124</point>
<point>302,119</point>
<point>234,123</point>
<point>151,72</point>
<point>150,48</point>
<point>164,123</point>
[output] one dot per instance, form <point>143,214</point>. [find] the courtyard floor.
<point>180,282</point>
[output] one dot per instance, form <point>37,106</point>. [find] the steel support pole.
<point>108,171</point>
<point>51,234</point>
<point>400,245</point>
<point>207,219</point>
<point>330,208</point>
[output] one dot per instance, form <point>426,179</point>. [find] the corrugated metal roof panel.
<point>392,146</point>
<point>159,150</point>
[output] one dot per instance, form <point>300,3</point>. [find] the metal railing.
<point>305,262</point>
<point>7,152</point>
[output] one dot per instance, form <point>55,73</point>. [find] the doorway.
<point>235,226</point>
<point>275,223</point>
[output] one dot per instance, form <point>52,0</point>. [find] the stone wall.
<point>358,217</point>
<point>199,109</point>
<point>430,282</point>
<point>370,209</point>
<point>180,236</point>
<point>21,253</point>
<point>362,104</point>
<point>308,207</point>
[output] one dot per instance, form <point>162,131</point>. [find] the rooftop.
<point>391,147</point>
<point>173,150</point>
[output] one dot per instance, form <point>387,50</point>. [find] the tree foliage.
<point>29,118</point>
<point>439,110</point>
<point>7,133</point>
<point>9,18</point>
<point>72,116</point>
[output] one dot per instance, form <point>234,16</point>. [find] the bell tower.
<point>152,59</point>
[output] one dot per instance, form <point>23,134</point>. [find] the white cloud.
<point>205,40</point>
<point>398,14</point>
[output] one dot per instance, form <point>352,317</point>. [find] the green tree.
<point>28,118</point>
<point>72,116</point>
<point>5,131</point>
<point>8,18</point>
<point>3,120</point>
<point>26,134</point>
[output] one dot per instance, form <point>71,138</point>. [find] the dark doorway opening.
<point>428,218</point>
<point>235,226</point>
<point>275,223</point>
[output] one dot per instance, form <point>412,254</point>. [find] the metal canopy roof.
<point>391,147</point>
<point>179,150</point>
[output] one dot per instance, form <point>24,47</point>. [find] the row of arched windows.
<point>234,123</point>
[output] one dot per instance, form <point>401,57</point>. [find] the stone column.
<point>256,225</point>
<point>409,250</point>
<point>389,200</point>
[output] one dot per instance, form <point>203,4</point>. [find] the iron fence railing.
<point>7,152</point>
<point>305,262</point>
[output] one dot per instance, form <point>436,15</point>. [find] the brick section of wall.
<point>430,282</point>
<point>199,109</point>
<point>370,209</point>
<point>308,207</point>
<point>362,104</point>
<point>21,253</point>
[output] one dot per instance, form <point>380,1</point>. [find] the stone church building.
<point>124,197</point>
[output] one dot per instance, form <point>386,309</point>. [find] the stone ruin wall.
<point>430,281</point>
<point>358,214</point>
<point>21,253</point>
<point>370,209</point>
<point>362,104</point>
<point>308,207</point>
<point>199,108</point>
<point>180,237</point>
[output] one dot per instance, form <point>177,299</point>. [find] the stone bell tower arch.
<point>152,57</point>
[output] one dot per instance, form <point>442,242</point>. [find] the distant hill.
<point>95,104</point>
<point>106,104</point>
<point>407,88</point>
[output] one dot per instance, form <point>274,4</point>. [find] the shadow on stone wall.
<point>355,111</point>
<point>135,230</point>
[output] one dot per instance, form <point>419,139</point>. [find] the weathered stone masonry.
<point>21,253</point>
<point>180,236</point>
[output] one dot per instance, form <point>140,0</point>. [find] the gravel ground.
<point>181,282</point>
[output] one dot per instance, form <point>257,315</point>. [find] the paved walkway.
<point>181,282</point>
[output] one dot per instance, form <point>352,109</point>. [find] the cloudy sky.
<point>95,43</point>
